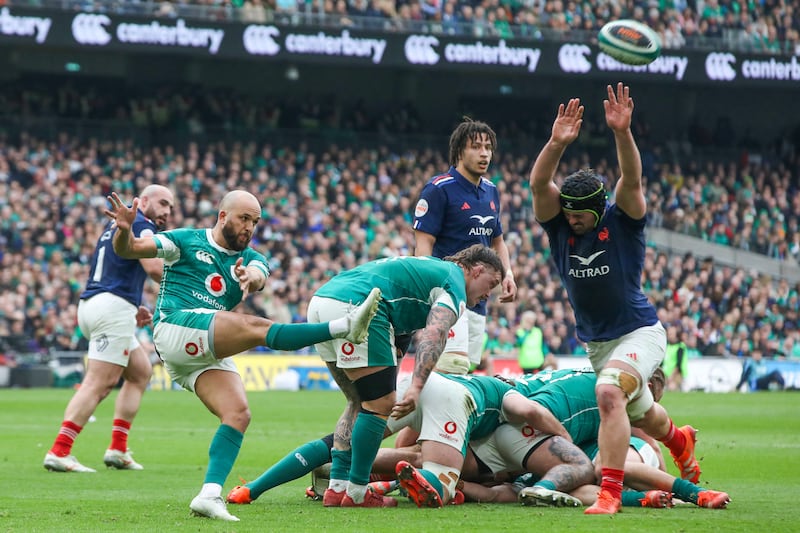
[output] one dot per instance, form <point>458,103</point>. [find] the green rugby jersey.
<point>198,273</point>
<point>528,384</point>
<point>572,401</point>
<point>488,394</point>
<point>409,286</point>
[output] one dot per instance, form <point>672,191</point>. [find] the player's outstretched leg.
<point>360,317</point>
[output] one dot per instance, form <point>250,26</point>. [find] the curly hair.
<point>583,191</point>
<point>477,254</point>
<point>469,130</point>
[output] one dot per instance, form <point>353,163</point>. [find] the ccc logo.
<point>204,257</point>
<point>720,66</point>
<point>420,49</point>
<point>572,58</point>
<point>90,28</point>
<point>260,40</point>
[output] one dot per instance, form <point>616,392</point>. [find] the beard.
<point>232,239</point>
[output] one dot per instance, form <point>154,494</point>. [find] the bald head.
<point>156,203</point>
<point>239,213</point>
<point>240,199</point>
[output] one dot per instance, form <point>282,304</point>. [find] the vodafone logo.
<point>422,208</point>
<point>450,427</point>
<point>420,49</point>
<point>573,58</point>
<point>215,284</point>
<point>528,431</point>
<point>260,40</point>
<point>90,28</point>
<point>348,348</point>
<point>191,349</point>
<point>720,66</point>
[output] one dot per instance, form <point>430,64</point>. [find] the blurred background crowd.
<point>769,26</point>
<point>339,179</point>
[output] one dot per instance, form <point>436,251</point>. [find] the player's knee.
<point>376,391</point>
<point>618,378</point>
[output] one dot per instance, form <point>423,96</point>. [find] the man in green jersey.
<point>207,273</point>
<point>418,293</point>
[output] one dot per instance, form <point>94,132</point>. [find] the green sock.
<point>546,484</point>
<point>340,464</point>
<point>296,464</point>
<point>433,480</point>
<point>686,490</point>
<point>366,439</point>
<point>222,453</point>
<point>295,336</point>
<point>632,498</point>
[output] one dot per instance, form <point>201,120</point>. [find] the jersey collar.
<point>467,184</point>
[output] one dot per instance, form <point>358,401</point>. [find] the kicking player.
<point>207,273</point>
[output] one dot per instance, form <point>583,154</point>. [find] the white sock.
<point>211,490</point>
<point>357,492</point>
<point>337,485</point>
<point>339,327</point>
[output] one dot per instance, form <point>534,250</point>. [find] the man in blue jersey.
<point>456,210</point>
<point>599,250</point>
<point>207,273</point>
<point>109,312</point>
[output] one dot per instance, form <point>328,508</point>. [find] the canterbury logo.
<point>720,66</point>
<point>420,49</point>
<point>573,58</point>
<point>204,257</point>
<point>90,28</point>
<point>586,261</point>
<point>260,40</point>
<point>20,26</point>
<point>482,220</point>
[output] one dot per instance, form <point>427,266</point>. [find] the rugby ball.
<point>629,42</point>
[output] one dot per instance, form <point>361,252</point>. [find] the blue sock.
<point>222,453</point>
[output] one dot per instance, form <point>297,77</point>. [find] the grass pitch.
<point>749,446</point>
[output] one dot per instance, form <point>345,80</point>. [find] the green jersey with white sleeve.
<point>410,286</point>
<point>199,273</point>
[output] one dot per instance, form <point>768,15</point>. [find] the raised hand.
<point>568,122</point>
<point>618,107</point>
<point>119,212</point>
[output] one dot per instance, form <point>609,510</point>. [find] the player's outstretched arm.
<point>430,344</point>
<point>125,244</point>
<point>566,127</point>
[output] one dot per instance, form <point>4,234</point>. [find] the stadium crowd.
<point>330,209</point>
<point>769,27</point>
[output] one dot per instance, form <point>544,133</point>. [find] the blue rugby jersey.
<point>111,273</point>
<point>459,214</point>
<point>602,271</point>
